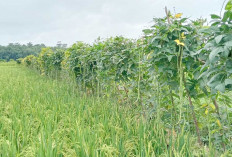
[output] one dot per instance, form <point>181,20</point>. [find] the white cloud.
<point>49,21</point>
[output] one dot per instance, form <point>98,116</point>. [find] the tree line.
<point>14,51</point>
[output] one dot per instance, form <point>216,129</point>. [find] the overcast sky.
<point>49,21</point>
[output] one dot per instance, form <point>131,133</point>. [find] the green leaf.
<point>147,31</point>
<point>214,53</point>
<point>204,67</point>
<point>208,45</point>
<point>219,38</point>
<point>215,80</point>
<point>229,65</point>
<point>214,16</point>
<point>215,70</point>
<point>192,53</point>
<point>226,16</point>
<point>229,6</point>
<point>226,52</point>
<point>183,20</point>
<point>228,82</point>
<point>221,87</point>
<point>170,57</point>
<point>155,38</point>
<point>228,44</point>
<point>203,74</point>
<point>215,23</point>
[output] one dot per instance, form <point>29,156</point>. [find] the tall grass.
<point>40,116</point>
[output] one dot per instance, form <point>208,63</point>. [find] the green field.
<point>40,116</point>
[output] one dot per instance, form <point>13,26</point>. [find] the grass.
<point>40,116</point>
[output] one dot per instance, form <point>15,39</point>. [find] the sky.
<point>68,21</point>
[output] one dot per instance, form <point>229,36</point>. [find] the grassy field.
<point>46,117</point>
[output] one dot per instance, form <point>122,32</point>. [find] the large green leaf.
<point>208,45</point>
<point>221,87</point>
<point>228,82</point>
<point>229,6</point>
<point>229,65</point>
<point>228,44</point>
<point>214,53</point>
<point>219,38</point>
<point>214,16</point>
<point>227,15</point>
<point>215,80</point>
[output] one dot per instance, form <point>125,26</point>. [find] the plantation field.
<point>166,93</point>
<point>40,116</point>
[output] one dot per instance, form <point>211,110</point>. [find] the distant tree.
<point>16,50</point>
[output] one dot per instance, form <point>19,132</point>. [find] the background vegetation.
<point>14,51</point>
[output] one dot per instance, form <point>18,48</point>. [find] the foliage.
<point>29,60</point>
<point>218,67</point>
<point>19,60</point>
<point>15,51</point>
